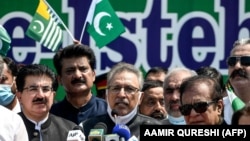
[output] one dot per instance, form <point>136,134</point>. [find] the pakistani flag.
<point>236,102</point>
<point>45,28</point>
<point>104,25</point>
<point>4,41</point>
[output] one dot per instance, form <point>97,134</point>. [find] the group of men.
<point>181,96</point>
<point>199,96</point>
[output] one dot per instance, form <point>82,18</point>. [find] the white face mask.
<point>123,119</point>
<point>177,120</point>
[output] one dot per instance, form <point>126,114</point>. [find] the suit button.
<point>35,134</point>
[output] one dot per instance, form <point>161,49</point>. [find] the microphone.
<point>97,133</point>
<point>114,113</point>
<point>111,137</point>
<point>76,134</point>
<point>101,125</point>
<point>123,131</point>
<point>108,137</point>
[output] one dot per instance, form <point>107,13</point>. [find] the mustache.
<point>78,80</point>
<point>157,115</point>
<point>239,72</point>
<point>123,101</point>
<point>174,102</point>
<point>40,100</point>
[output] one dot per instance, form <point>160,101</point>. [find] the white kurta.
<point>12,126</point>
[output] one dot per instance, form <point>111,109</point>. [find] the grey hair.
<point>177,70</point>
<point>241,42</point>
<point>121,67</point>
<point>181,69</point>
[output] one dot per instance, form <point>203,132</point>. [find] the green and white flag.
<point>5,41</point>
<point>45,28</point>
<point>236,102</point>
<point>104,25</point>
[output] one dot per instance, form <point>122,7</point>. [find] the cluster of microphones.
<point>119,133</point>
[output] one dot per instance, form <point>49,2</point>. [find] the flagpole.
<point>60,20</point>
<point>83,29</point>
<point>89,16</point>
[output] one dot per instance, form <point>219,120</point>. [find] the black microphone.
<point>78,128</point>
<point>104,137</point>
<point>76,134</point>
<point>114,113</point>
<point>101,125</point>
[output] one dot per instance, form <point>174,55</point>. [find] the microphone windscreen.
<point>114,112</point>
<point>101,125</point>
<point>122,130</point>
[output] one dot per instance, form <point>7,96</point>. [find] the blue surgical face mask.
<point>177,120</point>
<point>6,96</point>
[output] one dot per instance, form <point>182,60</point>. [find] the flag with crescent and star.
<point>5,41</point>
<point>45,27</point>
<point>104,25</point>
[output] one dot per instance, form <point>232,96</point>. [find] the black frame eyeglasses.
<point>127,89</point>
<point>244,60</point>
<point>36,89</point>
<point>199,107</point>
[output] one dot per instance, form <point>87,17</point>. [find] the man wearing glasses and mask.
<point>201,101</point>
<point>123,95</point>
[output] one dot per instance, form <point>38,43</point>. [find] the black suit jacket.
<point>54,129</point>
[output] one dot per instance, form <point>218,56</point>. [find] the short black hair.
<point>151,84</point>
<point>155,70</point>
<point>198,79</point>
<point>212,72</point>
<point>11,64</point>
<point>71,51</point>
<point>35,70</point>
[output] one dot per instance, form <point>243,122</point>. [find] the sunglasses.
<point>199,107</point>
<point>244,60</point>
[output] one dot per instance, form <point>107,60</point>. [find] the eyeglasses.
<point>244,60</point>
<point>36,89</point>
<point>127,90</point>
<point>199,107</point>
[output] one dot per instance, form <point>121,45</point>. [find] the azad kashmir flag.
<point>104,25</point>
<point>235,101</point>
<point>45,28</point>
<point>5,41</point>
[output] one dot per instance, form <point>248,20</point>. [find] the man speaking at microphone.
<point>123,95</point>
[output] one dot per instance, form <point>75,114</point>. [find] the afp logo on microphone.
<point>75,135</point>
